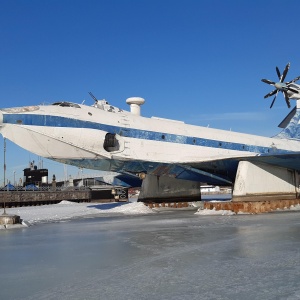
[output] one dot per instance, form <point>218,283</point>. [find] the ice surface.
<point>165,255</point>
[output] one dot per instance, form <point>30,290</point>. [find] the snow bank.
<point>67,210</point>
<point>63,202</point>
<point>132,209</point>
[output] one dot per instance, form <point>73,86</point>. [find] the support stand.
<point>259,182</point>
<point>168,189</point>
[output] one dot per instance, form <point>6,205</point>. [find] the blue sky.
<point>196,61</point>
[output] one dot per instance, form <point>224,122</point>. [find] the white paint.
<point>135,104</point>
<point>256,179</point>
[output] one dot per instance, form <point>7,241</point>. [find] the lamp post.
<point>4,166</point>
<point>4,170</point>
<point>5,218</point>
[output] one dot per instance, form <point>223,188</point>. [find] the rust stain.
<point>253,207</point>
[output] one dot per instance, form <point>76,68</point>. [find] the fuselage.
<point>107,138</point>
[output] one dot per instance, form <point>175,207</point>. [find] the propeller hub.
<point>280,85</point>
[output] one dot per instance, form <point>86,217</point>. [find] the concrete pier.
<point>264,182</point>
<point>167,189</point>
<point>6,219</point>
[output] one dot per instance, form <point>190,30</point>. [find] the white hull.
<point>76,135</point>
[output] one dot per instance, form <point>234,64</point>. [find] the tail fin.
<point>290,124</point>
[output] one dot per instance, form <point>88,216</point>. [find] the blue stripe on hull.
<point>55,121</point>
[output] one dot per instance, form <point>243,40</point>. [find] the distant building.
<point>35,176</point>
<point>210,189</point>
<point>207,189</point>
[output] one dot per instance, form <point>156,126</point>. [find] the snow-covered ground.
<point>66,210</point>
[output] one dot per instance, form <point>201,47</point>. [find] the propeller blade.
<point>278,73</point>
<point>271,94</point>
<point>274,100</point>
<point>285,72</point>
<point>294,80</point>
<point>293,90</point>
<point>287,100</point>
<point>268,81</point>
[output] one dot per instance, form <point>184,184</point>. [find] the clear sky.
<point>197,61</point>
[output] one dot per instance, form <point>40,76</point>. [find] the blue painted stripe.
<point>56,121</point>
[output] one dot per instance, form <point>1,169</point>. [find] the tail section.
<point>290,124</point>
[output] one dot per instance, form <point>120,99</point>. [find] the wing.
<point>224,171</point>
<point>220,172</point>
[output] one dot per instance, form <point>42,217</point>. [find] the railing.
<point>87,176</point>
<point>43,188</point>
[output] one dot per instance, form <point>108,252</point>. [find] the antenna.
<point>95,99</point>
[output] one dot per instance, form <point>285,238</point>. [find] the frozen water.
<point>163,255</point>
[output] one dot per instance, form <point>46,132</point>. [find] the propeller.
<point>282,86</point>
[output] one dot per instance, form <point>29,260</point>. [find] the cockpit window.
<point>66,104</point>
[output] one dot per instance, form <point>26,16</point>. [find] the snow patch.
<point>295,207</point>
<point>209,212</point>
<point>66,202</point>
<point>25,223</point>
<point>132,209</point>
<point>13,226</point>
